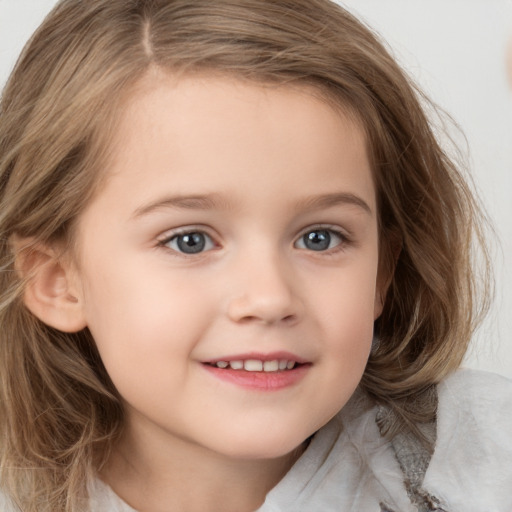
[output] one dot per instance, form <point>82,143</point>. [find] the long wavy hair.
<point>59,412</point>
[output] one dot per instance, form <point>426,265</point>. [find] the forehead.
<point>219,128</point>
<point>221,90</point>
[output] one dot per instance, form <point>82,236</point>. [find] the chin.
<point>264,447</point>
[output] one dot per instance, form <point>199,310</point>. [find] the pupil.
<point>317,240</point>
<point>191,243</point>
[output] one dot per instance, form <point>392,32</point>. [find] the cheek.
<point>347,333</point>
<point>347,309</point>
<point>136,314</point>
<point>348,299</point>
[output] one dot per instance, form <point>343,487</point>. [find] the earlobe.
<point>50,292</point>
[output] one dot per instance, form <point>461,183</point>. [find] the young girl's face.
<point>228,267</point>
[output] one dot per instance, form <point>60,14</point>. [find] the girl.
<point>236,272</point>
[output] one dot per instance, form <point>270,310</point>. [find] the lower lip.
<point>260,381</point>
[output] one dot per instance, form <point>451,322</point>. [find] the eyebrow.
<point>200,202</point>
<point>212,201</point>
<point>334,199</point>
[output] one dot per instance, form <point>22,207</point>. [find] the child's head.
<point>97,93</point>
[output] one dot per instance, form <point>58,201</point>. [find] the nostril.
<point>248,319</point>
<point>288,319</point>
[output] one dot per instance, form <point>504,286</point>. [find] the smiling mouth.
<point>256,365</point>
<point>259,373</point>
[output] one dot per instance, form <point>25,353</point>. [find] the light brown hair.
<point>59,411</point>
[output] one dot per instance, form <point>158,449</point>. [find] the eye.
<point>192,242</point>
<point>319,240</point>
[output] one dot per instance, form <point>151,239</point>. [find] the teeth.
<point>271,366</point>
<point>255,365</point>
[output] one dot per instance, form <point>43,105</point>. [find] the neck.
<point>179,476</point>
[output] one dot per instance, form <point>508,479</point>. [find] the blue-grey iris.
<point>318,240</point>
<point>191,243</point>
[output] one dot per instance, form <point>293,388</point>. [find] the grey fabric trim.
<point>413,456</point>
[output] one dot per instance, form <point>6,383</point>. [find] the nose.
<point>265,291</point>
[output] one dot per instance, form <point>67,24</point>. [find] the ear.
<point>51,291</point>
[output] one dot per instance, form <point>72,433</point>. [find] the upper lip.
<point>258,356</point>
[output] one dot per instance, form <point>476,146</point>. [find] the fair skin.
<point>238,223</point>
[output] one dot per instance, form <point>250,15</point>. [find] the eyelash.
<point>211,244</point>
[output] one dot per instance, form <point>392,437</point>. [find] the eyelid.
<point>343,233</point>
<point>183,230</point>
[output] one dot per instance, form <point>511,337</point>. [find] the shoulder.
<point>476,387</point>
<point>478,405</point>
<point>471,468</point>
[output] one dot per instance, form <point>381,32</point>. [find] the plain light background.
<point>456,51</point>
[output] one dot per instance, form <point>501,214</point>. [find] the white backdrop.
<point>456,50</point>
